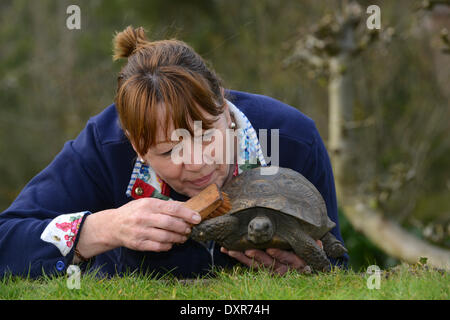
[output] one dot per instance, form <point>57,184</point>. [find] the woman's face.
<point>189,177</point>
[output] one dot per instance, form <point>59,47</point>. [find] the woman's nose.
<point>195,161</point>
<point>194,167</point>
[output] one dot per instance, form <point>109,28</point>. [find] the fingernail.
<point>197,218</point>
<point>232,253</point>
<point>249,253</point>
<point>188,230</point>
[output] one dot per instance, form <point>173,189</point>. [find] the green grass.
<point>400,283</point>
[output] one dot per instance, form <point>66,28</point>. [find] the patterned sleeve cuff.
<point>62,231</point>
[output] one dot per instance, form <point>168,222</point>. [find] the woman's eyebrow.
<point>165,141</point>
<point>163,144</point>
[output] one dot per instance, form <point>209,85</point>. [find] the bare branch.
<point>430,4</point>
<point>391,238</point>
<point>445,41</point>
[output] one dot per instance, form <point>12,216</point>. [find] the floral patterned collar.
<point>144,182</point>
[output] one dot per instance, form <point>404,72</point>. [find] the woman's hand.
<point>146,224</point>
<point>277,260</point>
<point>151,224</point>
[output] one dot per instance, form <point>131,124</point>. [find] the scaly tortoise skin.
<point>283,211</point>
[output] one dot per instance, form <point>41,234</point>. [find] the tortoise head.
<point>260,229</point>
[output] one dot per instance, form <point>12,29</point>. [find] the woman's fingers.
<point>252,258</point>
<point>168,215</point>
<point>176,209</point>
<point>287,258</point>
<point>320,244</point>
<point>150,245</point>
<point>165,236</point>
<point>261,257</point>
<point>281,269</point>
<point>241,257</point>
<point>154,239</point>
<point>280,261</point>
<point>166,222</point>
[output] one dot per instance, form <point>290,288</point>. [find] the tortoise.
<point>283,210</point>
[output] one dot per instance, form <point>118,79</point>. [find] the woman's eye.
<point>207,135</point>
<point>165,154</point>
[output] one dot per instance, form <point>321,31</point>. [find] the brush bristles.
<point>224,207</point>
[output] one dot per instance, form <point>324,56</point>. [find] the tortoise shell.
<point>287,191</point>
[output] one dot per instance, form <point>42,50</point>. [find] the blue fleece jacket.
<point>92,172</point>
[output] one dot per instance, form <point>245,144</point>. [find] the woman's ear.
<point>226,110</point>
<point>134,147</point>
<point>135,150</point>
<point>228,117</point>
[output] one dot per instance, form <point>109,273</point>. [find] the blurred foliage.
<point>53,79</point>
<point>362,251</point>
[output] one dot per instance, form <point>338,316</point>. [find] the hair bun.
<point>127,41</point>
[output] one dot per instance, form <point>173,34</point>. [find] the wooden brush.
<point>210,203</point>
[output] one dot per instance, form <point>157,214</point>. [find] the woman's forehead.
<point>164,132</point>
<point>166,122</point>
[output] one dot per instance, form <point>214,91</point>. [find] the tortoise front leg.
<point>307,249</point>
<point>217,229</point>
<point>332,246</point>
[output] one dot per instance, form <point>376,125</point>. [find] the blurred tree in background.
<point>53,79</point>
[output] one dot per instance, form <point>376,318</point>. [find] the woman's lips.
<point>202,181</point>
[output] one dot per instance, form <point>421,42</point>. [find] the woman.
<point>104,197</point>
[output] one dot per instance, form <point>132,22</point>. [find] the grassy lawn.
<point>400,283</point>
